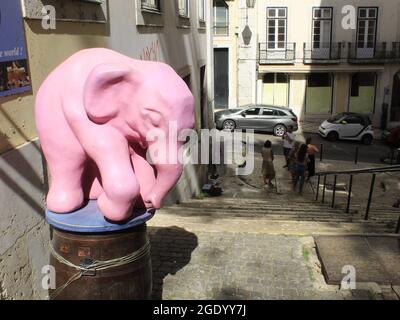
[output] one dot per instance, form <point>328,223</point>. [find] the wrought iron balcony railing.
<point>322,53</point>
<point>368,52</point>
<point>277,53</point>
<point>221,30</point>
<point>395,53</point>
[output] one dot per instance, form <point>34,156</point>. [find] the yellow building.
<point>320,57</point>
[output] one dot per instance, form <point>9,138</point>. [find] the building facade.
<point>321,57</point>
<point>175,32</point>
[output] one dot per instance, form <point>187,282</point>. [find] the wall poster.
<point>14,72</point>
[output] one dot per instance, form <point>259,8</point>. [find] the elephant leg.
<point>66,193</point>
<point>92,182</point>
<point>145,173</point>
<point>95,190</point>
<point>66,162</point>
<point>119,182</point>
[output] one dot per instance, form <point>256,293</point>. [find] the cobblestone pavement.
<point>227,257</point>
<point>225,266</point>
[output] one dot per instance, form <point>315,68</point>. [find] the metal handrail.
<point>352,173</point>
<point>326,52</point>
<point>393,168</point>
<point>285,53</point>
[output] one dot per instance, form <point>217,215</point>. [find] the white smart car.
<point>348,126</point>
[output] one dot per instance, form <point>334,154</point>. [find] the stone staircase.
<point>286,213</point>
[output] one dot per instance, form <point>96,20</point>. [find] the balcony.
<point>277,53</point>
<point>395,53</point>
<point>221,30</point>
<point>369,53</point>
<point>322,53</point>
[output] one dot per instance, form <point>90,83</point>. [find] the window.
<point>276,28</point>
<point>362,92</point>
<point>322,28</point>
<point>202,10</point>
<point>319,93</point>
<point>268,112</point>
<point>203,97</point>
<point>280,113</point>
<point>151,5</point>
<point>319,80</point>
<point>221,18</point>
<point>184,8</point>
<point>253,112</point>
<point>395,109</point>
<point>367,24</point>
<point>275,89</point>
<point>353,120</point>
<point>361,80</point>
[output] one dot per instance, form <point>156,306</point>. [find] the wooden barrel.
<point>132,281</point>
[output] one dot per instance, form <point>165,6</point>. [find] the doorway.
<point>221,78</point>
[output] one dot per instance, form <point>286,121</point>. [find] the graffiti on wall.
<point>151,52</point>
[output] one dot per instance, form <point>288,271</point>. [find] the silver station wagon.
<point>258,117</point>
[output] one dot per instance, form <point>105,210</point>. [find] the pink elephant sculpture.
<point>93,114</point>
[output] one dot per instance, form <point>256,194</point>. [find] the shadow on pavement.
<point>171,250</point>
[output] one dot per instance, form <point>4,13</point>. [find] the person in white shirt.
<point>288,141</point>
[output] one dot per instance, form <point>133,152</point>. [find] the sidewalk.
<point>221,254</point>
<point>197,265</point>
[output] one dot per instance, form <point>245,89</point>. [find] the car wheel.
<point>280,130</point>
<point>367,139</point>
<point>333,136</point>
<point>229,125</point>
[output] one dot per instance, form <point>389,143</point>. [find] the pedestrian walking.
<point>312,150</point>
<point>292,160</point>
<point>288,141</point>
<point>301,168</point>
<point>268,170</point>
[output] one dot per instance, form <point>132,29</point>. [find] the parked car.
<point>348,126</point>
<point>258,117</point>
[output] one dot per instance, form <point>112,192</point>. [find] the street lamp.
<point>250,3</point>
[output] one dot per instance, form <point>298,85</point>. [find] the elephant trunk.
<point>167,177</point>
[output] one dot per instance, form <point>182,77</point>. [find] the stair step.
<point>276,207</point>
<point>274,215</point>
<point>272,203</point>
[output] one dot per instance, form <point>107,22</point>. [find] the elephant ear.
<point>105,89</point>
